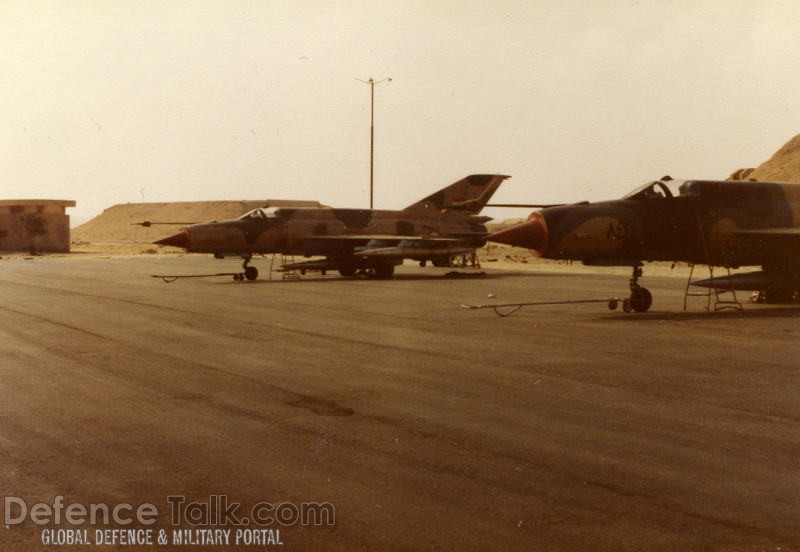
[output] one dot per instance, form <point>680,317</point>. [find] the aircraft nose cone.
<point>181,239</point>
<point>531,234</point>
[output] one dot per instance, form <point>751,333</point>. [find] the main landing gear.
<point>381,271</point>
<point>250,272</point>
<point>641,298</point>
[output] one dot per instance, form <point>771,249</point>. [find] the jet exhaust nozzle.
<point>531,234</point>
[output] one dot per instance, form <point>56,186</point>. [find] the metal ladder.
<point>720,303</point>
<point>292,274</point>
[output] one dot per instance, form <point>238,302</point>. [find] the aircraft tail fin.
<point>469,195</point>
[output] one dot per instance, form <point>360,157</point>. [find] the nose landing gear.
<point>250,272</point>
<point>641,299</point>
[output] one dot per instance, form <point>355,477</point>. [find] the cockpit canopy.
<point>261,213</point>
<point>664,189</point>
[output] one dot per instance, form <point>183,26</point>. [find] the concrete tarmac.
<point>426,426</point>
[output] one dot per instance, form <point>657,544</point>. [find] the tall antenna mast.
<point>372,82</point>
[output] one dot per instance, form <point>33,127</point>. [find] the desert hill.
<point>117,224</point>
<point>783,166</point>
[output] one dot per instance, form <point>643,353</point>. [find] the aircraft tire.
<point>251,273</point>
<point>384,271</point>
<point>641,300</point>
<point>347,271</point>
<point>779,295</point>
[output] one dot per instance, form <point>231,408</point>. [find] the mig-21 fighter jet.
<point>717,223</point>
<point>444,224</point>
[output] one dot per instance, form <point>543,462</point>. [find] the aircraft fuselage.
<point>697,225</point>
<point>307,231</point>
<point>719,223</point>
<point>436,228</point>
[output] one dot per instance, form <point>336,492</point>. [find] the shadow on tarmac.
<point>752,312</point>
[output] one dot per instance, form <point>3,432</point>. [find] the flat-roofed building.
<point>34,225</point>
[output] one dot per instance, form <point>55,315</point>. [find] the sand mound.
<point>784,166</point>
<point>117,223</point>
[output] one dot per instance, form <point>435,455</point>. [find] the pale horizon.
<point>124,102</point>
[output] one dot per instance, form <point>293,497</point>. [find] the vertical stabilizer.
<point>469,195</point>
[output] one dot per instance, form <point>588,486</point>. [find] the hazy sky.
<point>113,101</point>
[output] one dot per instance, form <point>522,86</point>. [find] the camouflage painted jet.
<point>718,223</point>
<point>435,228</point>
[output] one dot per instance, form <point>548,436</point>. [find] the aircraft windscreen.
<point>260,213</point>
<point>254,214</point>
<point>658,189</point>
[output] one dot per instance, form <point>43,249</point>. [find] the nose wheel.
<point>250,272</point>
<point>641,299</point>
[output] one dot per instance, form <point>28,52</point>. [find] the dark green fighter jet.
<point>717,223</point>
<point>444,224</point>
